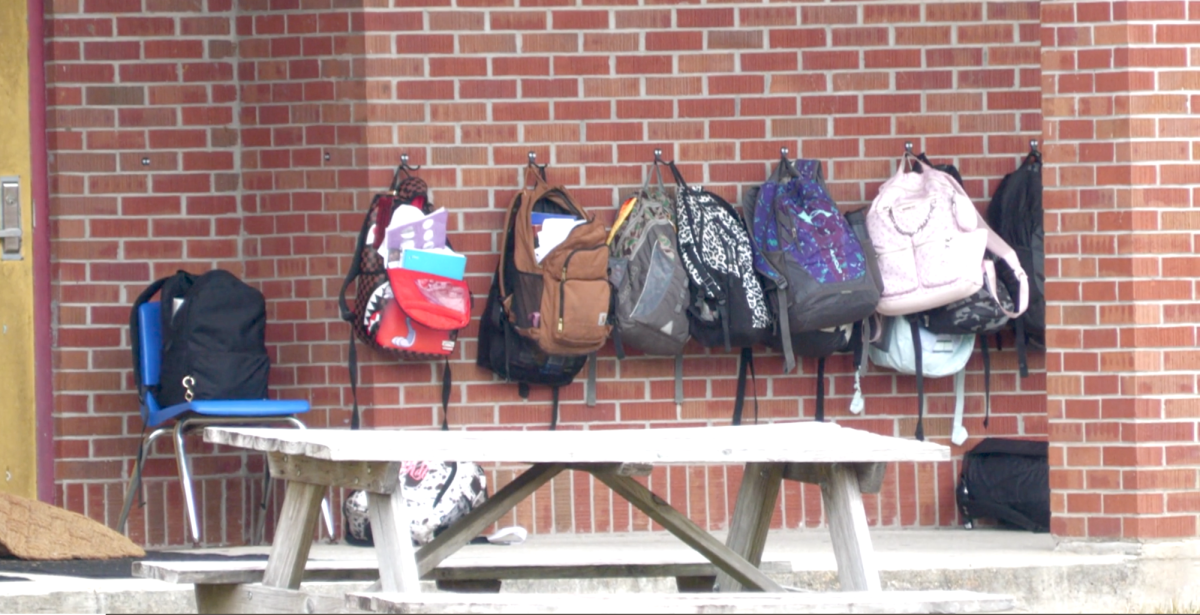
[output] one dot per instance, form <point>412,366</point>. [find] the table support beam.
<point>857,569</point>
<point>752,517</point>
<point>687,531</point>
<point>294,535</point>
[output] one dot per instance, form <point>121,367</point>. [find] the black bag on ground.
<point>1006,480</point>
<point>213,332</point>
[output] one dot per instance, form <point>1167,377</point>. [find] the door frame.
<point>39,179</point>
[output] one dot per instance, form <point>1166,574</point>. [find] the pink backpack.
<point>928,239</point>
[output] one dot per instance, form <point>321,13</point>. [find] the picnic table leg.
<point>294,535</point>
<point>752,517</point>
<point>687,531</point>
<point>392,531</point>
<point>840,490</point>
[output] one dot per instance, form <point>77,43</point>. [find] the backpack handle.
<point>678,177</point>
<point>996,245</point>
<point>662,188</point>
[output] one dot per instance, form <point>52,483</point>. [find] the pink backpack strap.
<point>1000,248</point>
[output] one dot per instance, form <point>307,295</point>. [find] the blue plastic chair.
<point>198,414</point>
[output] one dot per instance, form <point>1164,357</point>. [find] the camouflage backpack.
<point>651,283</point>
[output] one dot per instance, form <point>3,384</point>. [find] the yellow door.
<point>18,447</point>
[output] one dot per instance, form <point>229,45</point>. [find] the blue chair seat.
<point>236,408</point>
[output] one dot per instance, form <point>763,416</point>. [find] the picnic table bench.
<point>844,462</point>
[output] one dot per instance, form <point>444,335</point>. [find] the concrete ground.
<point>1044,576</point>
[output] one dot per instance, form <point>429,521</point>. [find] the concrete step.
<point>1045,577</point>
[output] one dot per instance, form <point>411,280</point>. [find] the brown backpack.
<point>563,303</point>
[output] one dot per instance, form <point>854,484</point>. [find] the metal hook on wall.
<point>403,168</point>
<point>541,168</point>
<point>783,153</point>
<point>1033,146</point>
<point>404,163</point>
<point>908,145</point>
<point>658,157</point>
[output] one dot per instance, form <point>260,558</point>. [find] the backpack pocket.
<point>576,299</point>
<point>660,282</point>
<point>951,259</point>
<point>898,271</point>
<point>228,375</point>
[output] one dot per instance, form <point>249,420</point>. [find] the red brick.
<point>674,41</point>
<point>797,38</point>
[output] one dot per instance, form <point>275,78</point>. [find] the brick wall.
<point>1120,85</point>
<point>268,123</point>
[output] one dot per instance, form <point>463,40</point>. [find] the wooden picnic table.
<point>844,462</point>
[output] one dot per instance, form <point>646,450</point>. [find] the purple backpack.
<point>820,269</point>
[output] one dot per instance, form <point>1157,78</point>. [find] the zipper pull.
<point>560,325</point>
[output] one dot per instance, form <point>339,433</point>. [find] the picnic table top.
<point>798,442</point>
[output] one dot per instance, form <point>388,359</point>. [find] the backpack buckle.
<point>188,383</point>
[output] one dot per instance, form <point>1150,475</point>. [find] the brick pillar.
<point>1120,100</point>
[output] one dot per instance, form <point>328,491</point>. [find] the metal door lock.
<point>10,218</point>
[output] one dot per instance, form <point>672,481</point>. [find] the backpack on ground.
<point>438,494</point>
<point>649,278</point>
<point>213,338</point>
<point>928,238</point>
<point>1015,213</point>
<point>818,271</point>
<point>547,309</point>
<point>1007,480</point>
<point>909,348</point>
<point>377,319</point>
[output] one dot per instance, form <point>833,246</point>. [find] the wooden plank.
<point>592,571</point>
<point>870,475</point>
<point>392,532</point>
<point>259,599</point>
<point>752,517</point>
<point>690,533</point>
<point>294,534</point>
<point>782,602</point>
<point>372,476</point>
<point>217,573</point>
<point>807,441</point>
<point>453,538</point>
<point>857,569</point>
<point>620,469</point>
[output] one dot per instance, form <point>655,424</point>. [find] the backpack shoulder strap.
<point>355,265</point>
<point>135,330</point>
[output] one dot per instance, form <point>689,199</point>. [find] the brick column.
<point>1120,101</point>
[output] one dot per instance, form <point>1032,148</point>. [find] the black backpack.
<point>1006,480</point>
<point>216,337</point>
<point>503,350</point>
<point>1015,213</point>
<point>729,307</point>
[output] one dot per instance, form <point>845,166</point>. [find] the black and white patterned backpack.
<point>728,307</point>
<point>438,494</point>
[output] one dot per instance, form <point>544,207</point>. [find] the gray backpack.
<point>647,272</point>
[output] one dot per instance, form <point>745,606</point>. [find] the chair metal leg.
<point>260,525</point>
<point>135,479</point>
<point>185,474</point>
<point>185,478</point>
